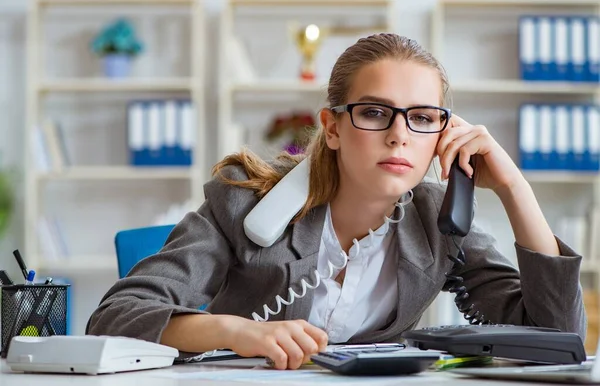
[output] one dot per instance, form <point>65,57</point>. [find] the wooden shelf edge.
<point>102,84</point>
<point>77,3</point>
<point>304,3</point>
<point>278,86</point>
<point>523,87</point>
<point>521,3</point>
<point>551,176</point>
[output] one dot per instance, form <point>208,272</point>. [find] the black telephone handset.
<point>456,214</point>
<point>455,219</point>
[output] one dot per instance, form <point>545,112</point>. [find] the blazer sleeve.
<point>544,291</point>
<point>185,274</point>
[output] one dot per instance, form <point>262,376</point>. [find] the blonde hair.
<point>324,174</point>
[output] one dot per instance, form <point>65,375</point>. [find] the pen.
<point>21,263</point>
<point>5,279</point>
<point>377,347</point>
<point>48,281</point>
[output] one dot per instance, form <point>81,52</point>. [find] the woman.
<point>367,167</point>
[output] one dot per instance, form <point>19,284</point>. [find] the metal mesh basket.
<point>32,310</point>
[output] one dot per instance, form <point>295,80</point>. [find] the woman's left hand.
<point>494,169</point>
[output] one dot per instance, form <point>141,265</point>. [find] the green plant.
<point>6,201</point>
<point>117,38</point>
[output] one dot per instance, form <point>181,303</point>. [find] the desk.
<point>190,374</point>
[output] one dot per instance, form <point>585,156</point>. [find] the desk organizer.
<point>32,310</point>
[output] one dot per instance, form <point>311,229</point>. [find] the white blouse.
<point>368,298</point>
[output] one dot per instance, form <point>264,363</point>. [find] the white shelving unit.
<point>229,89</point>
<point>537,91</point>
<point>39,86</point>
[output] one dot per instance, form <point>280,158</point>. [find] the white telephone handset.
<point>267,221</point>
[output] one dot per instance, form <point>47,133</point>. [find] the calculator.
<point>376,363</point>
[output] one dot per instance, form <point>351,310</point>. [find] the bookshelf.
<point>41,87</point>
<point>498,91</point>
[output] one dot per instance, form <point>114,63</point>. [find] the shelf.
<point>279,86</point>
<point>523,87</point>
<point>47,3</point>
<point>552,176</point>
<point>311,3</point>
<point>78,264</point>
<point>104,84</point>
<point>462,86</point>
<point>522,3</point>
<point>118,173</point>
<point>589,267</point>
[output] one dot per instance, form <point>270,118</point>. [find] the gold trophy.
<point>308,40</point>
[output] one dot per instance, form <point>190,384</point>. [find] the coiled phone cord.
<point>293,295</point>
<point>454,285</point>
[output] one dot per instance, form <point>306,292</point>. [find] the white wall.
<point>97,133</point>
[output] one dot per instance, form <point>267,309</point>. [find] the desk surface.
<point>234,372</point>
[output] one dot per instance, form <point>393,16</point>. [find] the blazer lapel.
<point>306,239</point>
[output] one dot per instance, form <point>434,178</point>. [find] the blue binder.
<point>546,136</point>
<point>545,52</point>
<point>528,137</point>
<point>578,137</point>
<point>562,137</point>
<point>528,57</point>
<point>560,58</point>
<point>136,122</point>
<point>577,49</point>
<point>593,48</point>
<point>593,136</point>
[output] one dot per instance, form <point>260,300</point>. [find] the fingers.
<point>463,161</point>
<point>452,150</point>
<point>450,135</point>
<point>310,339</point>
<point>289,344</point>
<point>295,354</point>
<point>318,335</point>
<point>278,356</point>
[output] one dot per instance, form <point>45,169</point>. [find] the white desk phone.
<point>265,223</point>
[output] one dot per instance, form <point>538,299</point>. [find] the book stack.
<point>161,132</point>
<point>559,48</point>
<point>559,137</point>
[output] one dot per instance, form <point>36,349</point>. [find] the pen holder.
<point>32,310</point>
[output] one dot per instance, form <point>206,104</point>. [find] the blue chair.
<point>135,244</point>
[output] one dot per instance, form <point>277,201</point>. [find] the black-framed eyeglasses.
<point>378,116</point>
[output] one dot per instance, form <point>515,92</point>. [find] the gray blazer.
<point>208,259</point>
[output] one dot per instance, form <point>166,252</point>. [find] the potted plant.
<point>117,44</point>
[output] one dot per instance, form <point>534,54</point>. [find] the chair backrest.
<point>135,244</point>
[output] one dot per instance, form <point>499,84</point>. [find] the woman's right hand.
<point>288,343</point>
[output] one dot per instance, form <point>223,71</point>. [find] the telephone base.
<point>528,343</point>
